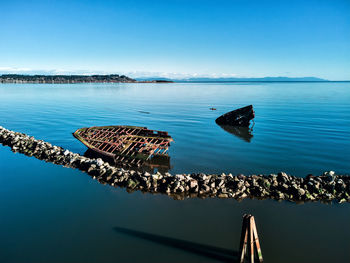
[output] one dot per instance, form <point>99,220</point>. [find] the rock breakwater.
<point>327,187</point>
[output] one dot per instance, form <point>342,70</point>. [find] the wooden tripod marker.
<point>249,235</point>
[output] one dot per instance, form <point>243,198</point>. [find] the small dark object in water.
<point>240,117</point>
<point>212,108</point>
<point>144,112</point>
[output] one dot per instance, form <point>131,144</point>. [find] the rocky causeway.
<point>328,187</point>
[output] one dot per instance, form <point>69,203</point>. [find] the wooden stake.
<point>249,235</point>
<point>257,243</point>
<point>251,240</point>
<point>244,237</point>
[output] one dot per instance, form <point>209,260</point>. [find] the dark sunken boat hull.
<point>129,144</point>
<point>240,117</point>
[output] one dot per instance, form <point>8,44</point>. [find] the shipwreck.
<point>125,144</point>
<point>240,117</point>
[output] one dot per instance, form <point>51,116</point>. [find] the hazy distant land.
<point>64,79</point>
<point>115,78</point>
<point>264,79</point>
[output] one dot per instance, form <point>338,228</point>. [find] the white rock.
<point>180,177</point>
<point>157,176</point>
<point>99,162</point>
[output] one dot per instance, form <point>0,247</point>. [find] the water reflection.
<point>243,133</point>
<point>158,163</point>
<point>224,255</point>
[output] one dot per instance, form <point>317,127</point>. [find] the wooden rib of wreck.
<point>129,144</point>
<point>240,117</point>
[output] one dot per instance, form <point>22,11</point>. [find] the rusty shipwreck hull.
<point>129,144</point>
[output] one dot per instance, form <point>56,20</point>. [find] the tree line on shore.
<point>17,78</point>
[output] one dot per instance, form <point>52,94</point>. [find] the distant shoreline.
<point>72,79</point>
<point>115,78</point>
<point>165,82</point>
<point>82,82</point>
<point>265,81</point>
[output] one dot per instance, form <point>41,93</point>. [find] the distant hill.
<point>17,78</point>
<point>267,79</point>
<point>155,79</point>
<point>58,79</point>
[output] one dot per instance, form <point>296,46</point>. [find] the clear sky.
<point>243,38</point>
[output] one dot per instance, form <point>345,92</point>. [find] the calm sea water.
<point>53,214</point>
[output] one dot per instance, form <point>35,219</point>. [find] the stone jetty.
<point>327,187</point>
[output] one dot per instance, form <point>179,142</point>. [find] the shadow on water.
<point>224,255</point>
<point>243,133</point>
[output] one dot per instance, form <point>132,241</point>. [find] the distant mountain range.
<point>267,79</point>
<point>18,78</point>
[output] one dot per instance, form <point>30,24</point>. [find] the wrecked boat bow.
<point>240,117</point>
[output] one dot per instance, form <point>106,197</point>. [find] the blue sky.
<point>177,38</point>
